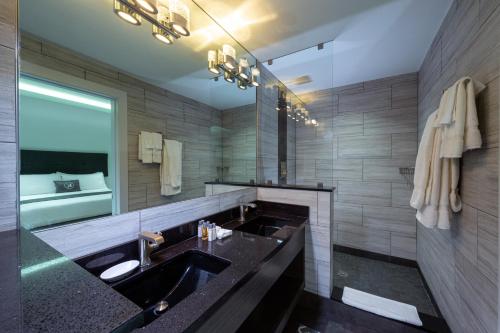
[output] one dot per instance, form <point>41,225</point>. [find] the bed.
<point>40,204</point>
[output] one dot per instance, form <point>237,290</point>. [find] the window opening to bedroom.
<point>67,148</point>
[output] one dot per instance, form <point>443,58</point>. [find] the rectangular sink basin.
<point>159,289</point>
<point>263,226</point>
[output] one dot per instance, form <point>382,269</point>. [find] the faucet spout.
<point>243,209</point>
<point>148,241</point>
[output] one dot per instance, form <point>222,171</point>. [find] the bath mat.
<point>381,306</point>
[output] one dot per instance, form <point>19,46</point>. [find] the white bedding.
<point>45,213</point>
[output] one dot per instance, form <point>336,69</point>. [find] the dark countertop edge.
<point>278,186</point>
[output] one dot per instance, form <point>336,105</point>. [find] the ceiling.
<point>91,28</point>
<point>371,38</point>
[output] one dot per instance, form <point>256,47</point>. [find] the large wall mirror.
<point>118,113</point>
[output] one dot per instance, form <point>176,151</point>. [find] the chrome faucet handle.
<point>155,238</point>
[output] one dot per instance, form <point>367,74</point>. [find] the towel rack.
<point>408,173</point>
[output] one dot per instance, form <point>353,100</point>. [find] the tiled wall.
<point>318,247</point>
<point>239,135</point>
<point>8,136</point>
<point>267,124</point>
<point>80,239</point>
<point>461,265</point>
<point>10,306</point>
<point>152,109</point>
<point>367,132</point>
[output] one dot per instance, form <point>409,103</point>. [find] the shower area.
<point>359,136</point>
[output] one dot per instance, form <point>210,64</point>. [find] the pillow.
<point>38,184</point>
<point>64,186</point>
<point>91,181</point>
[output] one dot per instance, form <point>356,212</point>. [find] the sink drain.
<point>161,307</point>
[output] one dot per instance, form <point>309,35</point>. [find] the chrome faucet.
<point>148,241</point>
<point>243,209</point>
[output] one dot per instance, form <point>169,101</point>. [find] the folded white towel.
<point>145,147</point>
<point>223,233</point>
<point>381,306</point>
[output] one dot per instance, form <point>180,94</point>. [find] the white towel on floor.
<point>381,306</point>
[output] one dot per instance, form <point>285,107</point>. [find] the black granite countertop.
<point>283,186</point>
<point>60,296</point>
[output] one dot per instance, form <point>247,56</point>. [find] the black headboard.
<point>43,162</point>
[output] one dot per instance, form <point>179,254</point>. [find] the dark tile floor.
<point>328,316</point>
<point>397,282</point>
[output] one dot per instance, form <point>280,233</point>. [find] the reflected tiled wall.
<point>152,109</point>
<point>239,135</point>
<point>267,124</point>
<point>461,265</point>
<point>367,132</point>
<point>8,137</point>
<point>80,239</point>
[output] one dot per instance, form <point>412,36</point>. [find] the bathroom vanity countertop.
<point>60,296</point>
<point>282,186</point>
<point>246,253</point>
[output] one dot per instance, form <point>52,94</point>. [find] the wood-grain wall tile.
<point>369,146</point>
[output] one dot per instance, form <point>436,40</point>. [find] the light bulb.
<point>149,6</point>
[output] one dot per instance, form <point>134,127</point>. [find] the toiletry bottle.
<point>204,231</point>
<point>214,231</point>
<point>210,232</point>
<point>200,228</point>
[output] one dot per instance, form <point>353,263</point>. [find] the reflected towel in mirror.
<point>171,168</point>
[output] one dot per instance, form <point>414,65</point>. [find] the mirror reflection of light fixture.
<point>243,68</point>
<point>314,122</point>
<point>228,77</point>
<point>212,62</point>
<point>179,17</point>
<point>162,35</point>
<point>242,85</point>
<point>223,62</point>
<point>229,57</point>
<point>255,76</point>
<point>308,121</point>
<point>126,14</point>
<point>149,6</point>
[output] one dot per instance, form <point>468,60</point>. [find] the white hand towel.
<point>157,147</point>
<point>146,142</point>
<point>171,168</point>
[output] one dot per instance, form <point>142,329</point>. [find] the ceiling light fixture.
<point>179,17</point>
<point>125,13</point>
<point>212,62</point>
<point>243,68</point>
<point>162,35</point>
<point>224,61</point>
<point>170,19</point>
<point>149,6</point>
<point>255,77</point>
